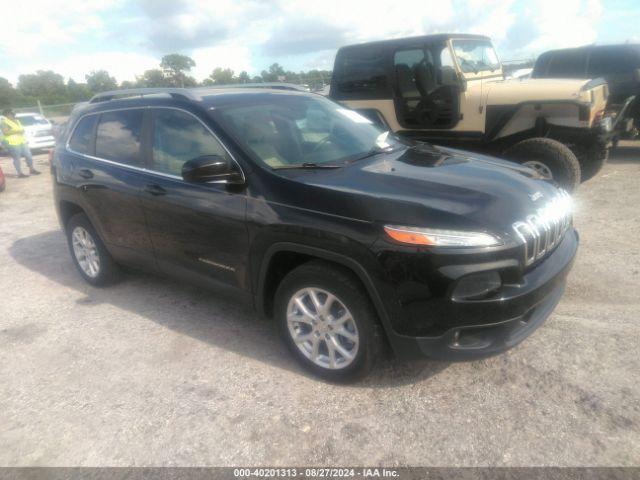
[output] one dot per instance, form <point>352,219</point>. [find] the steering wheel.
<point>470,64</point>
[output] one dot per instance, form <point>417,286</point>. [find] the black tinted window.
<point>567,64</point>
<point>118,136</point>
<point>178,137</point>
<point>613,60</point>
<point>82,139</point>
<point>361,73</point>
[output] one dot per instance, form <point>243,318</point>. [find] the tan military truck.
<point>450,89</point>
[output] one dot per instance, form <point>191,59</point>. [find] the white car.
<point>38,130</point>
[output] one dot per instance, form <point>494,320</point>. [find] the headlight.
<point>440,238</point>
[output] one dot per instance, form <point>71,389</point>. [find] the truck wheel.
<point>89,253</point>
<point>327,321</point>
<point>591,160</point>
<point>550,158</point>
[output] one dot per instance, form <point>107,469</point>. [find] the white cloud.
<point>235,57</point>
<point>73,37</point>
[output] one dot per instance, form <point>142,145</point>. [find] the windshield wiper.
<point>375,150</point>
<point>306,165</point>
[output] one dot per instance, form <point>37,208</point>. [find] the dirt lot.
<point>151,372</point>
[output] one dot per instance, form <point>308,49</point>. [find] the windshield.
<point>288,130</point>
<point>475,55</point>
<point>29,120</point>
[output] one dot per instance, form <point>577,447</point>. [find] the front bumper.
<point>487,327</point>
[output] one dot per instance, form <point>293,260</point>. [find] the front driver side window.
<point>178,137</point>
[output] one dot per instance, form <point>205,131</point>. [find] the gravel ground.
<point>151,372</point>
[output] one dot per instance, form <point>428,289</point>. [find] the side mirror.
<point>211,169</point>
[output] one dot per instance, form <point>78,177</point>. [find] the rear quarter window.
<point>562,64</point>
<point>81,140</point>
<point>118,136</point>
<point>361,73</point>
<point>612,60</point>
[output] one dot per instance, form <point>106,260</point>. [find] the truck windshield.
<point>289,130</point>
<point>29,120</point>
<point>475,55</point>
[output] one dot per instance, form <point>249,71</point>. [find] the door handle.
<point>85,173</point>
<point>154,189</point>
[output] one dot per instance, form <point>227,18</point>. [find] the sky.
<point>74,37</point>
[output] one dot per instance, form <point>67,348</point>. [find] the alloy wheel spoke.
<point>343,332</point>
<point>303,308</point>
<point>315,347</point>
<point>304,337</point>
<point>316,301</point>
<point>343,351</point>
<point>332,353</point>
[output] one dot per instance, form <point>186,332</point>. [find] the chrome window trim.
<point>149,170</point>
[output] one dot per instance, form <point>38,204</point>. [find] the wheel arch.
<point>66,210</point>
<point>298,254</point>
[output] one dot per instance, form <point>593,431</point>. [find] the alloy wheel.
<point>322,328</point>
<point>86,251</point>
<point>541,168</point>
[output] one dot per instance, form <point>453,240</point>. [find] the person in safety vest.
<point>14,141</point>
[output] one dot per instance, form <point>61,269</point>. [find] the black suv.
<point>350,237</point>
<point>619,65</point>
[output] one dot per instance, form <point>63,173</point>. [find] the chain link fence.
<point>57,113</point>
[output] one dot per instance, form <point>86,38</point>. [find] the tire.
<point>591,160</point>
<point>321,277</point>
<point>555,156</point>
<point>107,271</point>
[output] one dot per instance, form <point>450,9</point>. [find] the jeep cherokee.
<point>351,238</point>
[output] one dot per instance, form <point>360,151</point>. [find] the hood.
<point>430,187</point>
<point>517,91</point>
<point>31,129</point>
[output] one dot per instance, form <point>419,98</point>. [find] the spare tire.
<point>550,158</point>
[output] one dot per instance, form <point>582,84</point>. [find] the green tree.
<point>8,94</point>
<point>175,67</point>
<point>244,77</point>
<point>189,81</point>
<point>125,84</point>
<point>222,76</point>
<point>274,74</point>
<point>77,92</point>
<point>152,78</point>
<point>46,86</point>
<point>100,81</point>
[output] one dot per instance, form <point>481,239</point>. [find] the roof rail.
<point>178,93</point>
<point>272,85</point>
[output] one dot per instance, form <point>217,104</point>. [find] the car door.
<point>108,171</point>
<point>198,231</point>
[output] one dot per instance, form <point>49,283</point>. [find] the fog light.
<point>477,286</point>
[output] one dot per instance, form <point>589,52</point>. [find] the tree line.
<point>50,88</point>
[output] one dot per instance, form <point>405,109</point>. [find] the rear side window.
<point>82,139</point>
<point>179,137</point>
<point>360,73</point>
<point>118,136</point>
<point>567,64</point>
<point>606,61</point>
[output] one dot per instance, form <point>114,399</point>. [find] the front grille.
<point>543,231</point>
<point>43,133</point>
